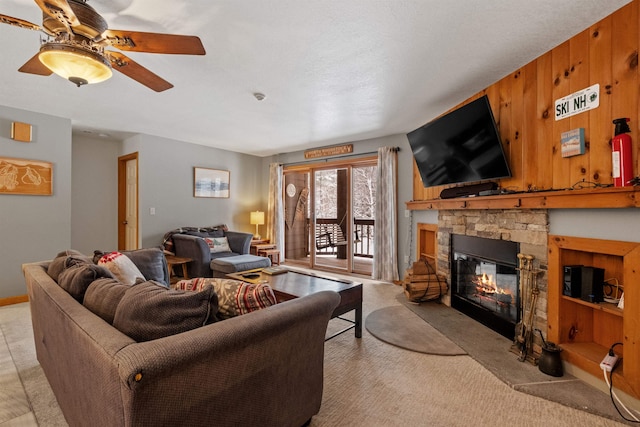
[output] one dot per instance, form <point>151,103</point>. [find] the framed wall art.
<point>210,182</point>
<point>22,176</point>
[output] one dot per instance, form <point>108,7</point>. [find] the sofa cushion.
<point>236,263</point>
<point>77,278</point>
<point>64,260</point>
<point>217,244</point>
<point>234,296</point>
<point>103,296</point>
<point>150,261</point>
<point>121,267</point>
<point>149,311</point>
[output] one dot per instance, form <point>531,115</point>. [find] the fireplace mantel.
<point>594,198</point>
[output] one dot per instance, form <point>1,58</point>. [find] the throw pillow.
<point>77,278</point>
<point>149,311</point>
<point>234,296</point>
<point>103,296</point>
<point>150,261</point>
<point>121,267</point>
<point>218,244</point>
<point>64,260</point>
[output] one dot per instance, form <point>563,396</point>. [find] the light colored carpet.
<point>399,326</point>
<point>367,382</point>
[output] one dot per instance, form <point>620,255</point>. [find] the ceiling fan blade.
<point>154,42</point>
<point>137,72</point>
<point>19,23</point>
<point>34,66</point>
<point>60,10</point>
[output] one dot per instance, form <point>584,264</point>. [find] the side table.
<point>257,247</point>
<point>175,260</point>
<point>273,254</point>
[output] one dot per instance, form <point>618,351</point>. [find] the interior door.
<point>128,202</point>
<point>131,219</point>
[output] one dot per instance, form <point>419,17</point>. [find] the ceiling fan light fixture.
<point>75,63</point>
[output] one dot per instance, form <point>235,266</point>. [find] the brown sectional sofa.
<point>263,368</point>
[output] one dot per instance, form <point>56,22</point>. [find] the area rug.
<point>399,326</point>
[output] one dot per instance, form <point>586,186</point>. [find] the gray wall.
<point>94,198</point>
<point>82,213</point>
<point>609,224</point>
<point>34,228</point>
<point>165,175</point>
<point>165,179</point>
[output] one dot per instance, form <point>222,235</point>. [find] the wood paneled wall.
<point>523,105</point>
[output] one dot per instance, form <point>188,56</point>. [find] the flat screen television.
<point>461,146</point>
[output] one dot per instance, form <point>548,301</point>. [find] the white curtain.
<point>275,208</point>
<point>385,249</point>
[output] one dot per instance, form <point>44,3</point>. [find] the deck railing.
<point>363,243</point>
<point>328,236</point>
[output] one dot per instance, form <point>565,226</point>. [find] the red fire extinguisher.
<point>621,154</point>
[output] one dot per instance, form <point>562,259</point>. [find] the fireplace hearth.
<point>484,281</point>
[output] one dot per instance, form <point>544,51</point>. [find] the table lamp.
<point>257,218</point>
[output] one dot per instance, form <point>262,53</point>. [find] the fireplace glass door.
<point>485,285</point>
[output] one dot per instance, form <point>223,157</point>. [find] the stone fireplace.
<point>523,230</point>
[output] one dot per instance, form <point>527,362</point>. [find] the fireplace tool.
<point>523,329</point>
<point>535,291</point>
<point>520,328</point>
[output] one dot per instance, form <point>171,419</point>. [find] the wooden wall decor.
<point>328,151</point>
<point>523,106</point>
<point>21,132</point>
<point>22,176</point>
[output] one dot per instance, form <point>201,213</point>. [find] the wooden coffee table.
<point>296,284</point>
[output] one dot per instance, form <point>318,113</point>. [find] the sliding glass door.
<point>332,217</point>
<point>329,216</point>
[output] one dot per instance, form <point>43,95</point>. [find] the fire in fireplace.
<point>485,281</point>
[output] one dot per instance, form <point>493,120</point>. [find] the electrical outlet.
<point>608,363</point>
<point>407,213</point>
<point>152,211</point>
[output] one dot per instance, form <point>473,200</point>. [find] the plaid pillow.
<point>234,296</point>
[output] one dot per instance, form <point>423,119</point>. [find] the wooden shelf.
<point>604,306</point>
<point>427,241</point>
<point>585,331</point>
<point>610,197</point>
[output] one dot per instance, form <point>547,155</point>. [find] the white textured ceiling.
<point>332,70</point>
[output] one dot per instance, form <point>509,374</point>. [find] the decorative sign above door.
<point>328,151</point>
<point>578,102</point>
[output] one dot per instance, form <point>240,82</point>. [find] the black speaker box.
<point>467,190</point>
<point>572,281</point>
<point>583,282</point>
<point>592,281</point>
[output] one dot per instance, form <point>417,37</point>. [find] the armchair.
<point>195,247</point>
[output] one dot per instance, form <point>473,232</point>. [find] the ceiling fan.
<point>75,46</point>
